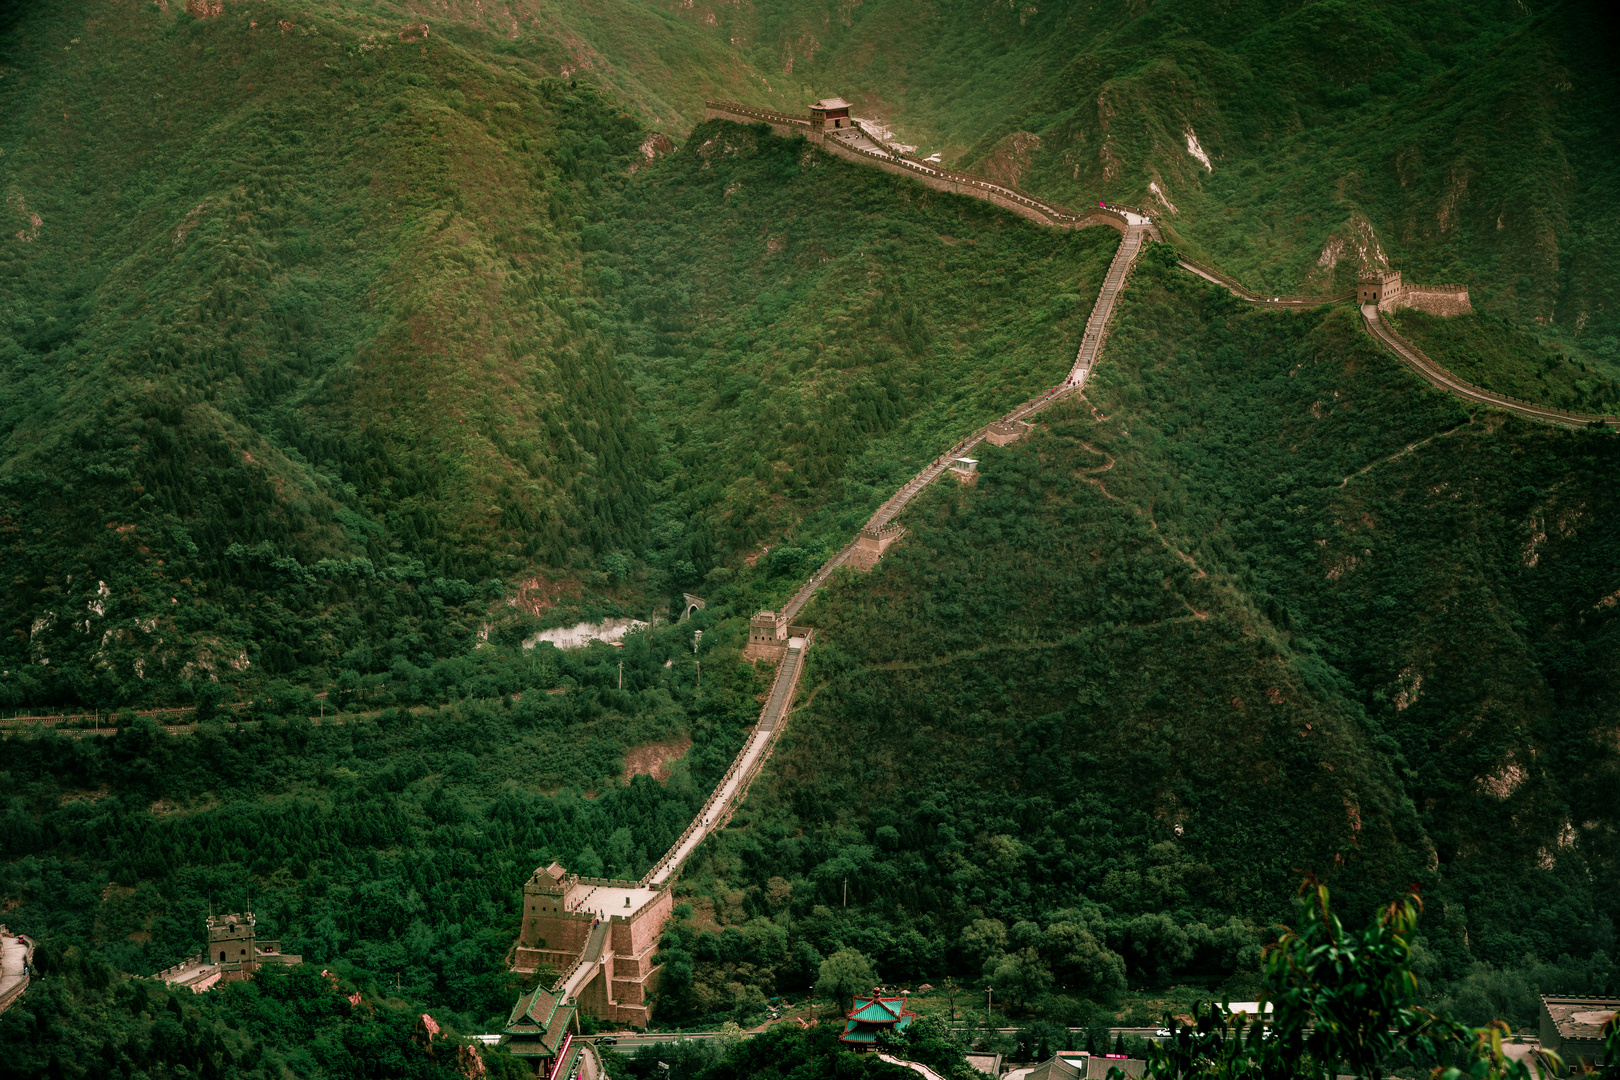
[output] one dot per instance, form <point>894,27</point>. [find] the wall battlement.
<point>1386,290</point>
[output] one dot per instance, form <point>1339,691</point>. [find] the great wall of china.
<point>602,934</point>
<point>853,141</point>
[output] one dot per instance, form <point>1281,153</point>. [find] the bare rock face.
<point>205,9</point>
<point>1007,162</point>
<point>653,147</point>
<point>414,32</point>
<point>1351,251</point>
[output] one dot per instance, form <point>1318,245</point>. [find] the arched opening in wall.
<point>691,611</point>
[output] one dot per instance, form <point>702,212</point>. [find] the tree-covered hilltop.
<point>1286,141</point>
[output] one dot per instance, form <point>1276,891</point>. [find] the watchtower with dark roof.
<point>829,113</point>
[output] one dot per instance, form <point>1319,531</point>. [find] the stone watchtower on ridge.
<point>559,911</point>
<point>829,113</point>
<point>234,948</point>
<point>233,953</point>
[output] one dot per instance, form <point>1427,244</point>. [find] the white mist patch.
<point>1198,151</point>
<point>581,634</point>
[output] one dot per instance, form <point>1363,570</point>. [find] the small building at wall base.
<point>871,1016</point>
<point>539,1029</point>
<point>1572,1027</point>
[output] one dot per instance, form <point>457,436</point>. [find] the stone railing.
<point>658,891</point>
<point>612,883</point>
<point>769,116</point>
<point>597,939</point>
<point>194,960</point>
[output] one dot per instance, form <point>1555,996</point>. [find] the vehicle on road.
<point>607,1040</point>
<point>1163,1033</point>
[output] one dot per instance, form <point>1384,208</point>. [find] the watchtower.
<point>230,939</point>
<point>1003,432</point>
<point>829,113</point>
<point>1380,287</point>
<point>871,543</point>
<point>767,628</point>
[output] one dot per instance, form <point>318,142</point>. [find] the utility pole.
<point>697,639</point>
<point>846,892</point>
<point>989,996</point>
<point>621,674</point>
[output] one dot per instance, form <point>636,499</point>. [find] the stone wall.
<point>1436,299</point>
<point>960,187</point>
<point>640,932</point>
<point>779,123</point>
<point>563,932</point>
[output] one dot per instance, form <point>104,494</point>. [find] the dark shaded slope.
<point>294,337</point>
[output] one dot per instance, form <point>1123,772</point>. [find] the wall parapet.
<point>1443,377</point>
<point>769,116</point>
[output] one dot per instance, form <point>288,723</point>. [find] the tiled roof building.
<point>872,1015</point>
<point>537,1028</point>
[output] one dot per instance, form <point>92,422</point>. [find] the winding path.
<point>1437,375</point>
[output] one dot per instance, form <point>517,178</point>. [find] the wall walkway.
<point>16,953</point>
<point>1439,377</point>
<point>858,144</point>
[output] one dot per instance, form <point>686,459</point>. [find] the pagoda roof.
<point>871,1015</point>
<point>539,1014</point>
<point>879,1010</point>
<point>832,103</point>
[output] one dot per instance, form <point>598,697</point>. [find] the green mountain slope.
<point>297,315</point>
<point>1258,602</point>
<point>1461,142</point>
<point>339,357</point>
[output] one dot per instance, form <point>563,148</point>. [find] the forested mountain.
<point>345,346</point>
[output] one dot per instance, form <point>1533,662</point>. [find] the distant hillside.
<point>1291,142</point>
